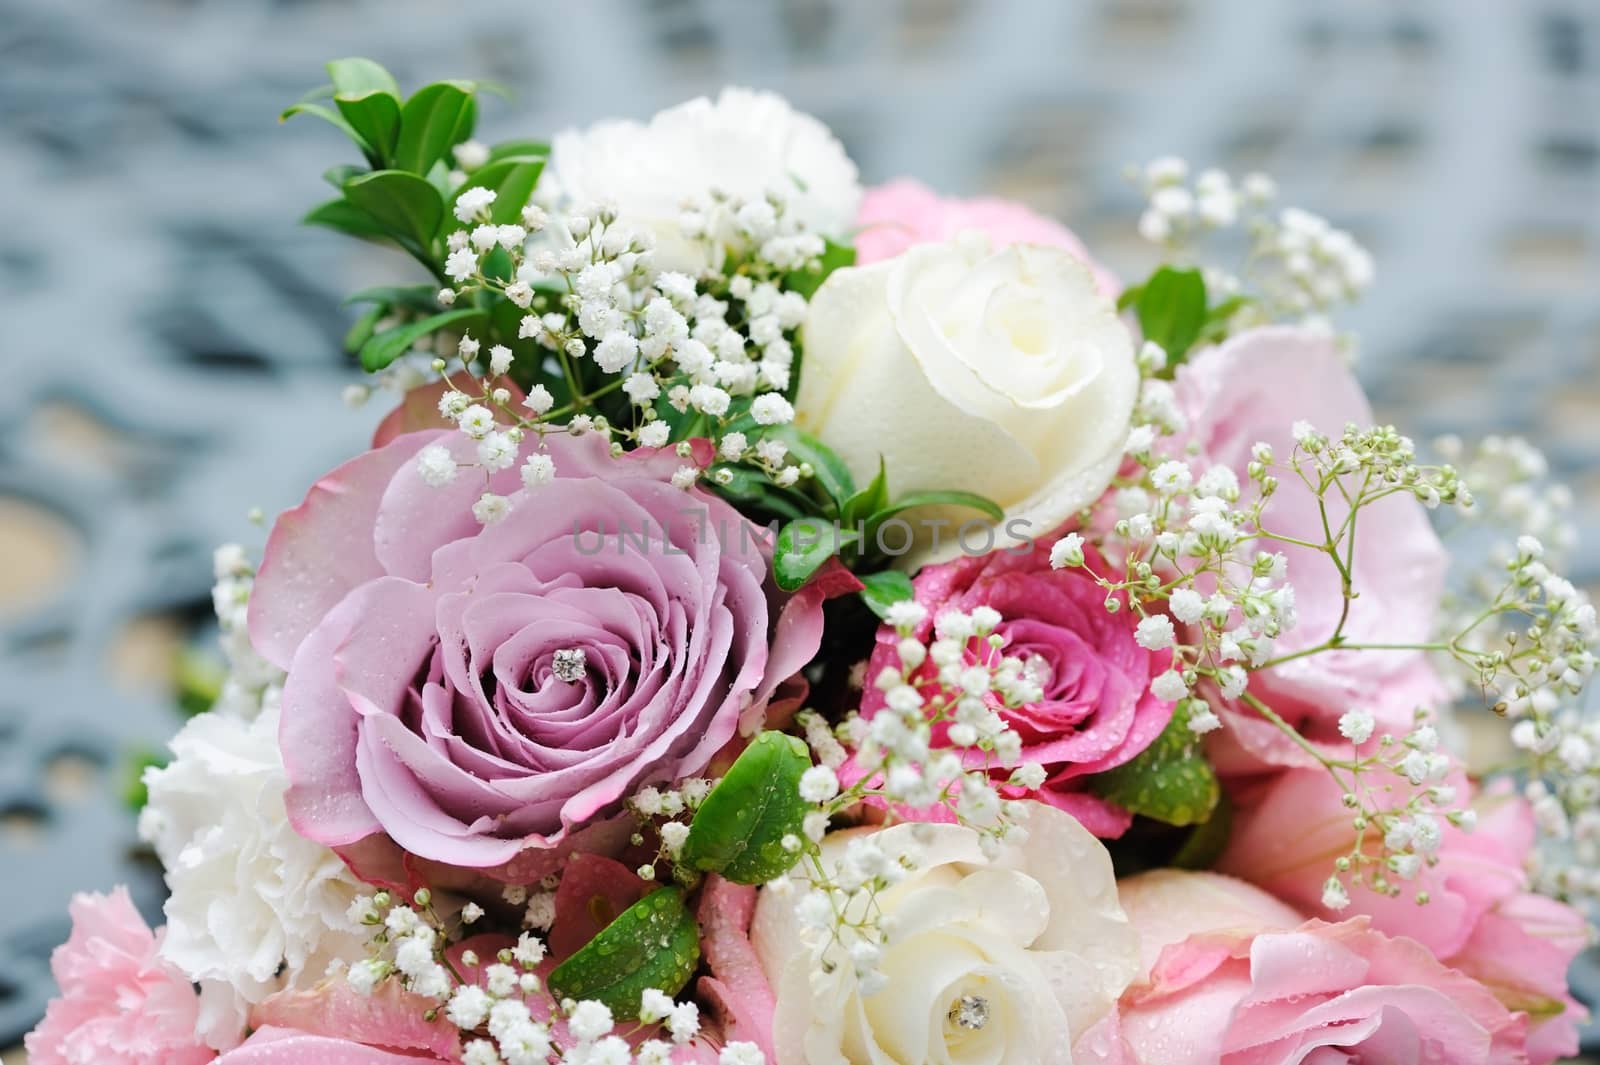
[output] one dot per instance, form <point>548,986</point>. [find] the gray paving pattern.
<point>169,337</point>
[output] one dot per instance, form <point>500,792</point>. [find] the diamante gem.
<point>970,1012</point>
<point>569,664</point>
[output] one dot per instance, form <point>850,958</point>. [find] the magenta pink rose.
<point>1232,977</point>
<point>1097,711</point>
<point>475,692</point>
<point>1481,917</point>
<point>1254,388</point>
<point>120,1003</point>
<point>905,212</point>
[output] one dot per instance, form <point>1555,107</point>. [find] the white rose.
<point>255,907</point>
<point>744,143</point>
<point>1004,373</point>
<point>1033,941</point>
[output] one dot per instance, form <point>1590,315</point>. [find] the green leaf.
<point>356,76</point>
<point>376,116</point>
<point>884,590</point>
<point>804,546</point>
<point>134,793</point>
<point>655,943</point>
<point>1170,780</point>
<point>506,149</point>
<point>1207,840</point>
<point>1129,297</point>
<point>869,500</point>
<point>363,328</point>
<point>1172,309</point>
<point>346,218</point>
<point>834,256</point>
<point>830,471</point>
<point>434,120</point>
<point>389,345</point>
<point>512,180</point>
<point>337,176</point>
<point>330,116</point>
<point>754,490</point>
<point>403,203</point>
<point>941,498</point>
<point>417,297</point>
<point>739,829</point>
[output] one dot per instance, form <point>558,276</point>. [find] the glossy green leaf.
<point>655,943</point>
<point>804,546</point>
<point>739,829</point>
<point>829,469</point>
<point>512,179</point>
<point>134,792</point>
<point>338,176</point>
<point>417,297</point>
<point>869,500</point>
<point>376,116</point>
<point>881,591</point>
<point>1172,310</point>
<point>754,491</point>
<point>434,120</point>
<point>356,76</point>
<point>329,115</point>
<point>1170,780</point>
<point>356,337</point>
<point>1206,841</point>
<point>945,498</point>
<point>506,149</point>
<point>347,218</point>
<point>385,347</point>
<point>403,203</point>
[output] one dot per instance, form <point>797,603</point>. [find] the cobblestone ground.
<point>169,347</point>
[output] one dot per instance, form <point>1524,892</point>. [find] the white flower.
<point>745,143</point>
<point>436,465</point>
<point>654,434</point>
<point>1012,376</point>
<point>255,907</point>
<point>1035,932</point>
<point>771,409</point>
<point>1154,633</point>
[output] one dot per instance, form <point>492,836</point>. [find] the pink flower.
<point>1254,388</point>
<point>120,1003</point>
<point>1481,917</point>
<point>1233,977</point>
<point>475,692</point>
<point>1097,711</point>
<point>905,212</point>
<point>285,1046</point>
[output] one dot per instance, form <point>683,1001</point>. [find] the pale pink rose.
<point>423,702</point>
<point>1481,917</point>
<point>120,1004</point>
<point>285,1046</point>
<point>905,212</point>
<point>1233,979</point>
<point>1254,388</point>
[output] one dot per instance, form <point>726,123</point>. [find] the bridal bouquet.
<point>786,622</point>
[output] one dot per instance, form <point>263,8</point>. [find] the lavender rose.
<point>475,690</point>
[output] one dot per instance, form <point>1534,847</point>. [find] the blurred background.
<point>170,344</point>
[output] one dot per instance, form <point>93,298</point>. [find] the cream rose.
<point>1002,961</point>
<point>1005,373</point>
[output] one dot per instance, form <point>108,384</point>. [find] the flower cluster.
<point>589,718</point>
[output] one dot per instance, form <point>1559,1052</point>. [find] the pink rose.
<point>285,1046</point>
<point>1481,917</point>
<point>475,692</point>
<point>1097,711</point>
<point>120,1003</point>
<point>1254,388</point>
<point>902,213</point>
<point>1233,978</point>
